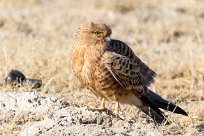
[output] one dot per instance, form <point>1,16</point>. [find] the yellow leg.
<point>117,108</point>
<point>102,106</point>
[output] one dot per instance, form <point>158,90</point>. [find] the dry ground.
<point>36,38</point>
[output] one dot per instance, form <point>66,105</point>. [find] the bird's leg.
<point>116,112</point>
<point>117,108</point>
<point>102,106</point>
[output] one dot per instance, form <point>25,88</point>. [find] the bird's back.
<point>119,47</point>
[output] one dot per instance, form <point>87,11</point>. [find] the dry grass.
<point>36,38</point>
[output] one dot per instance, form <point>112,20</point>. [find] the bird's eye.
<point>98,34</point>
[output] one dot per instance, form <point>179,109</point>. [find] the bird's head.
<point>94,33</point>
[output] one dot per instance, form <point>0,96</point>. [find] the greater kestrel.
<point>111,70</point>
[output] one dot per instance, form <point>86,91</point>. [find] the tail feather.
<point>152,111</point>
<point>163,104</point>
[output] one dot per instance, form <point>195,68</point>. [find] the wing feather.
<point>146,74</point>
<point>124,70</point>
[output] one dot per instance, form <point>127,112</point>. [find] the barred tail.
<point>159,102</point>
<point>152,111</point>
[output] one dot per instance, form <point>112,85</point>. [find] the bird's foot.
<point>98,109</point>
<point>117,116</point>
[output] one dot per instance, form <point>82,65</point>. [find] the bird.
<point>111,70</point>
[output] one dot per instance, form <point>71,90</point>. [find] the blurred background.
<point>168,35</point>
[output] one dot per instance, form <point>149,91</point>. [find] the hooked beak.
<point>107,39</point>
